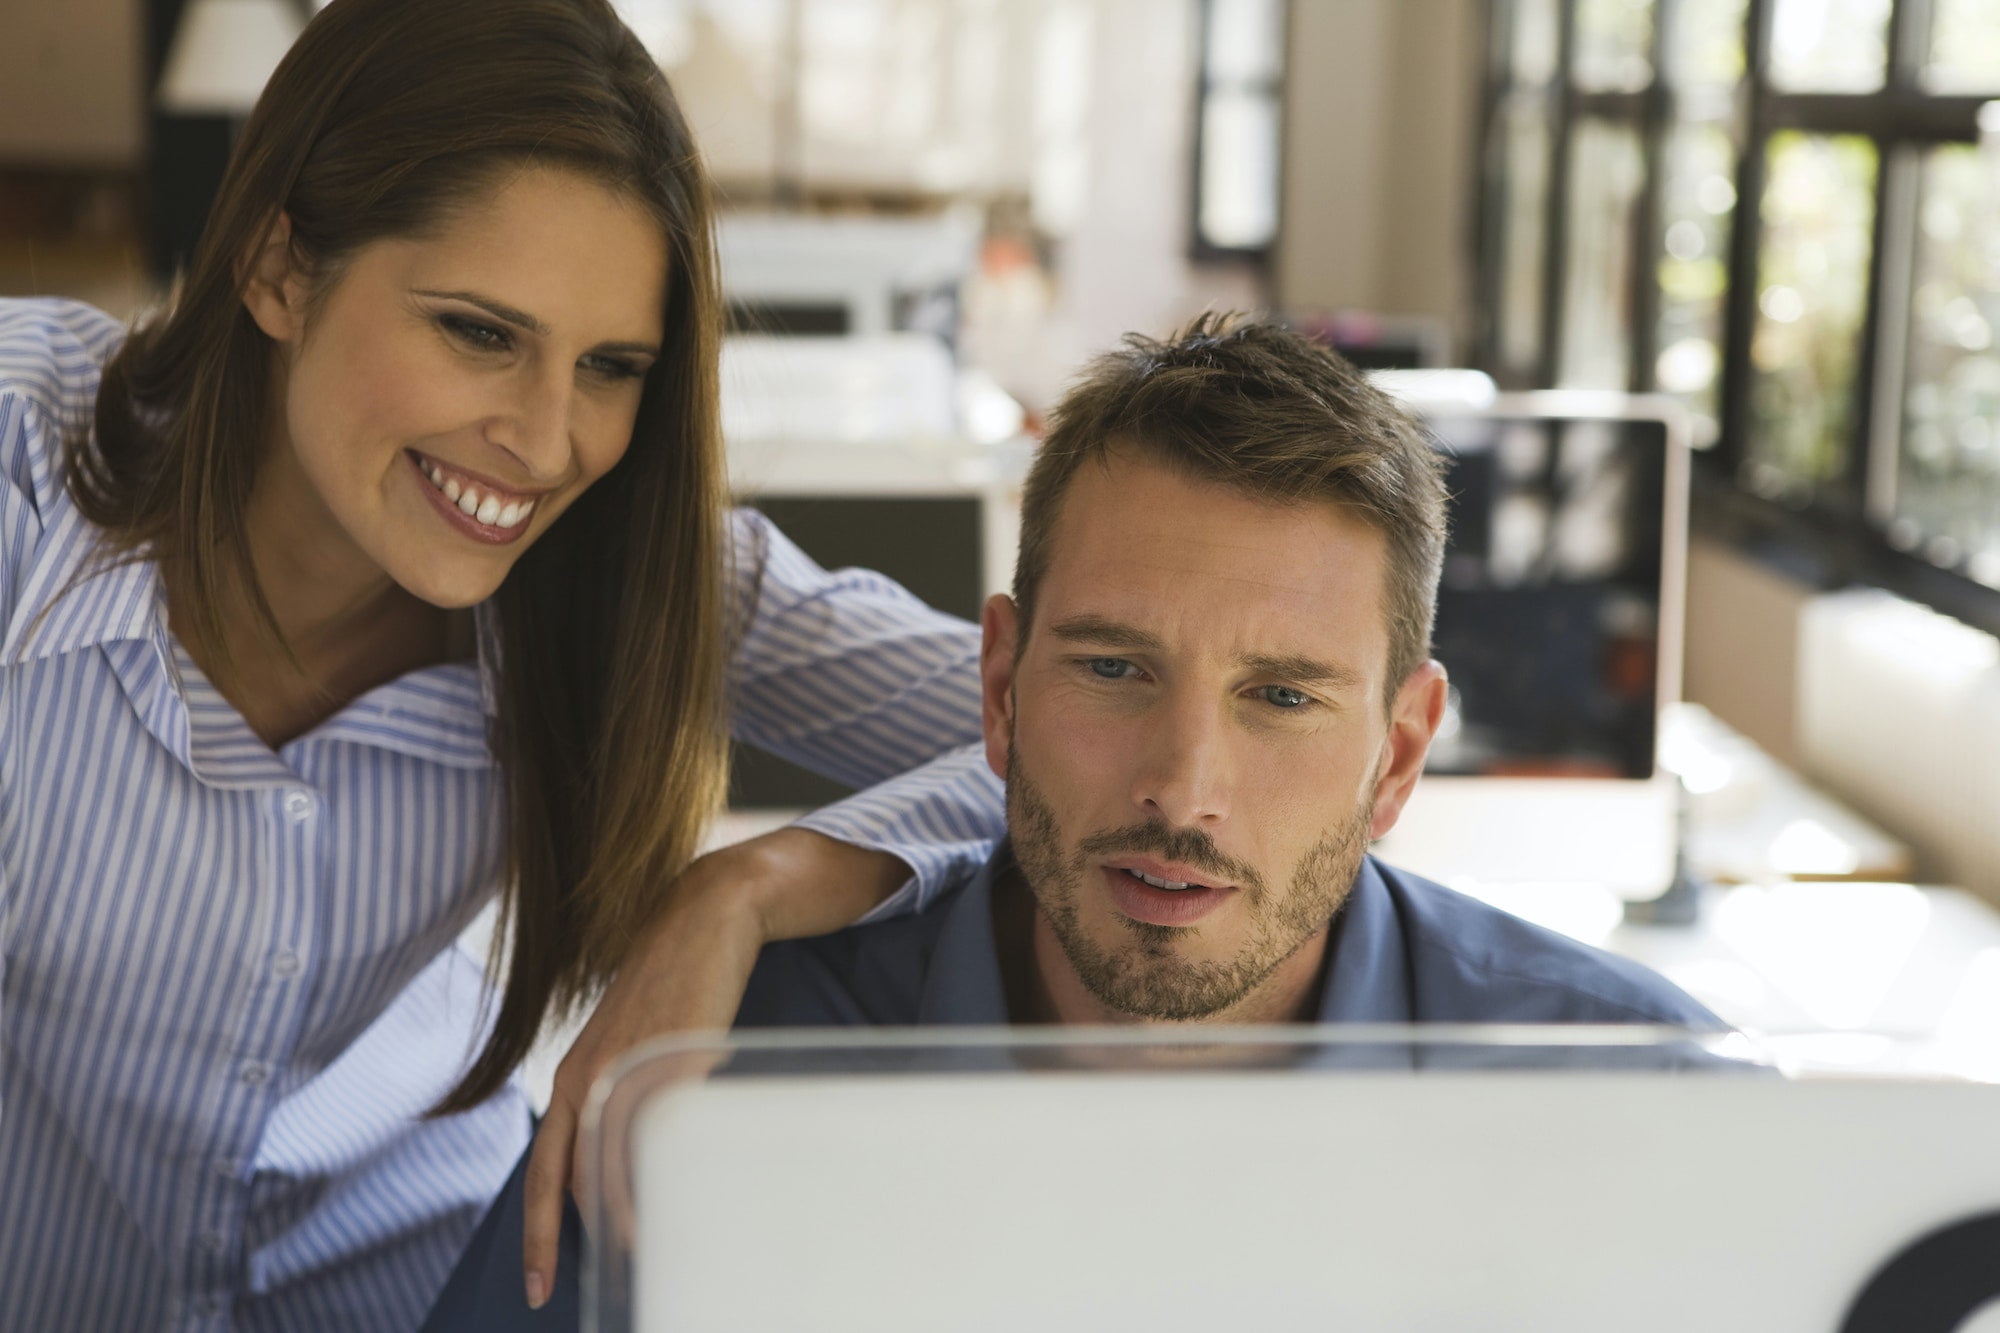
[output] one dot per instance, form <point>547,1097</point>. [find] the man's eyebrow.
<point>1104,633</point>
<point>1303,670</point>
<point>500,310</point>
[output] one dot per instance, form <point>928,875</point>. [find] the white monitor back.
<point>1504,1202</point>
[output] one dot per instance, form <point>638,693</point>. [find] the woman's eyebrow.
<point>500,310</point>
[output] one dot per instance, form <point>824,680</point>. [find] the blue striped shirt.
<point>230,981</point>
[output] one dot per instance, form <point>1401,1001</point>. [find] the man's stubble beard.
<point>1149,978</point>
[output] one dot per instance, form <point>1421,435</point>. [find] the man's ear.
<point>274,291</point>
<point>998,625</point>
<point>1413,719</point>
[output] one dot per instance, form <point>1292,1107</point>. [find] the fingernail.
<point>538,1291</point>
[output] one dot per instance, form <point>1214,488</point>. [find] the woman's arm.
<point>849,675</point>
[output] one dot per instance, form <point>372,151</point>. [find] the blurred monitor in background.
<point>1559,619</point>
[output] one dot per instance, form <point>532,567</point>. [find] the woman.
<point>388,568</point>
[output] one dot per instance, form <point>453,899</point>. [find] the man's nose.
<point>1185,776</point>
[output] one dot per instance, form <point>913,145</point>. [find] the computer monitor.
<point>1403,1180</point>
<point>1559,620</point>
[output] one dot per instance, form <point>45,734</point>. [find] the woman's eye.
<point>1110,668</point>
<point>1283,696</point>
<point>484,337</point>
<point>612,368</point>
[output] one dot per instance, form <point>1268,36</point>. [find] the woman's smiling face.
<point>450,394</point>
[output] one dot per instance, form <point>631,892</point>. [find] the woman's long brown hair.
<point>385,117</point>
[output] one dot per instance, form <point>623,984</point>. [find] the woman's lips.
<point>490,534</point>
<point>1161,907</point>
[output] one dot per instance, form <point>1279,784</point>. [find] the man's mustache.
<point>1189,846</point>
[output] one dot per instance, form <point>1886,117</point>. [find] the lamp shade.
<point>223,53</point>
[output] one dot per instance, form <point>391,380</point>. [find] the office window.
<point>1812,290</point>
<point>1780,212</point>
<point>1239,130</point>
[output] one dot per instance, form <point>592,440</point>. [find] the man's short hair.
<point>1256,407</point>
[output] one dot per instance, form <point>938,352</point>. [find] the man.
<point>1211,689</point>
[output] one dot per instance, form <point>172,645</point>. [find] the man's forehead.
<point>1191,562</point>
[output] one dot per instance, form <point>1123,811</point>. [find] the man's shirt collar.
<point>1367,979</point>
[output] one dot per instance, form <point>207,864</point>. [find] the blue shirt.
<point>1403,950</point>
<point>229,978</point>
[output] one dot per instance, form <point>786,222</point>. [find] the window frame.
<point>1200,248</point>
<point>1839,535</point>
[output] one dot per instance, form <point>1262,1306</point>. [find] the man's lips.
<point>1135,898</point>
<point>1174,872</point>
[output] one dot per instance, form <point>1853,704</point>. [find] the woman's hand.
<point>686,974</point>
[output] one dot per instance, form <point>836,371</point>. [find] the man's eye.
<point>1110,668</point>
<point>1283,696</point>
<point>484,337</point>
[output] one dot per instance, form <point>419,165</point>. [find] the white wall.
<point>1381,97</point>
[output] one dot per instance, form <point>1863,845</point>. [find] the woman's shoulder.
<point>48,344</point>
<point>52,354</point>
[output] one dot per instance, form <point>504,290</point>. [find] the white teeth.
<point>1159,883</point>
<point>488,509</point>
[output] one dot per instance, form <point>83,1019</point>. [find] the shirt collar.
<point>1367,979</point>
<point>79,593</point>
<point>963,987</point>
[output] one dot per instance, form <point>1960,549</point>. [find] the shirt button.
<point>208,1307</point>
<point>298,806</point>
<point>256,1073</point>
<point>286,964</point>
<point>225,1167</point>
<point>214,1242</point>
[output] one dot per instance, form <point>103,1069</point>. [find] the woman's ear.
<point>273,289</point>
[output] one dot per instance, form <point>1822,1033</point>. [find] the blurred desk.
<point>1752,820</point>
<point>1871,977</point>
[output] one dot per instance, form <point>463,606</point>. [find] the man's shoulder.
<point>864,976</point>
<point>1474,963</point>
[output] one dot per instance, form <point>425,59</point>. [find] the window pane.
<point>1697,203</point>
<point>1239,169</point>
<point>1535,35</point>
<point>1948,470</point>
<point>1614,44</point>
<point>1704,44</point>
<point>1246,40</point>
<point>1605,174</point>
<point>1524,231</point>
<point>1812,289</point>
<point>1830,46</point>
<point>1965,47</point>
